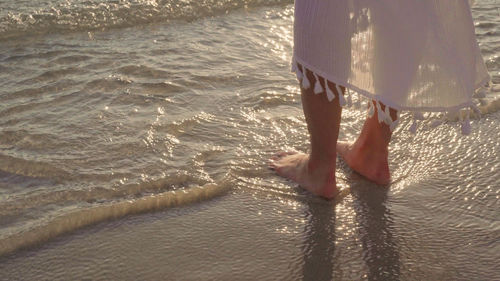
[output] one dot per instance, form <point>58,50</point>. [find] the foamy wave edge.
<point>94,15</point>
<point>72,221</point>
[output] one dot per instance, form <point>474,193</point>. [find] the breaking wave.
<point>96,15</point>
<point>76,219</point>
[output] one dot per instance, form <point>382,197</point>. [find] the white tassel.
<point>387,111</point>
<point>466,128</point>
<point>380,113</point>
<point>329,93</point>
<point>349,99</point>
<point>413,128</point>
<point>299,73</point>
<point>341,96</point>
<point>394,124</point>
<point>371,109</point>
<point>305,82</point>
<point>388,117</point>
<point>317,87</point>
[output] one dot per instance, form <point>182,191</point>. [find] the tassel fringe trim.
<point>348,98</point>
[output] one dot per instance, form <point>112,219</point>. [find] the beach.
<point>134,144</point>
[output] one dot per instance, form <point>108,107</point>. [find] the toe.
<point>272,164</point>
<point>281,154</point>
<point>275,157</point>
<point>286,153</point>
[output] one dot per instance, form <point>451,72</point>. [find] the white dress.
<point>414,55</point>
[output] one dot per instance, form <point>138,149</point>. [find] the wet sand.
<point>141,152</point>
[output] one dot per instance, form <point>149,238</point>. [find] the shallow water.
<point>176,115</point>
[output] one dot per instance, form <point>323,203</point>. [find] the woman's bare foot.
<point>368,162</point>
<point>318,178</point>
<point>368,155</point>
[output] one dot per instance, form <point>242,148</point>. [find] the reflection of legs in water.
<point>319,246</point>
<point>315,171</point>
<point>375,227</point>
<point>368,154</point>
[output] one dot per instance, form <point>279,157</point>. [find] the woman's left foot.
<point>365,160</point>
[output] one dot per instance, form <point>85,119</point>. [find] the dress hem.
<point>417,112</point>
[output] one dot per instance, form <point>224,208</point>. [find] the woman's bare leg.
<point>368,155</point>
<point>315,172</point>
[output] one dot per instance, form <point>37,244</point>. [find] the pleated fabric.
<point>414,55</point>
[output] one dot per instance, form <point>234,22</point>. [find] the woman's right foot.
<point>317,178</point>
